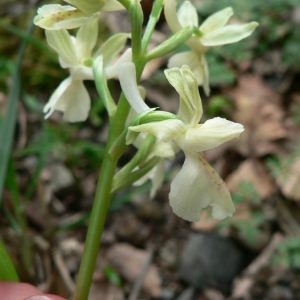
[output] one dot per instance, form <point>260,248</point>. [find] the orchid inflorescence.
<point>157,135</point>
<point>197,185</point>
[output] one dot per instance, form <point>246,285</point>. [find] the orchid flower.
<point>76,53</point>
<point>197,185</point>
<point>213,32</point>
<point>56,17</point>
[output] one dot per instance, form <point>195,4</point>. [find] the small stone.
<point>279,292</point>
<point>209,260</point>
<point>61,177</point>
<point>169,254</point>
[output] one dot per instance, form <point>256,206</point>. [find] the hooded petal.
<point>88,6</point>
<point>197,186</point>
<point>217,20</point>
<point>211,134</point>
<point>228,34</point>
<point>166,130</point>
<point>187,14</point>
<point>198,65</point>
<point>63,44</point>
<point>186,85</point>
<point>56,17</point>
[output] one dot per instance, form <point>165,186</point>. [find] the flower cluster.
<point>197,185</point>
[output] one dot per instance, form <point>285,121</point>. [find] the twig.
<point>138,284</point>
<point>243,285</point>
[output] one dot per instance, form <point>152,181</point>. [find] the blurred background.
<point>148,252</point>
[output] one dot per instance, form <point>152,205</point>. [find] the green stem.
<point>136,19</point>
<point>153,19</point>
<point>100,207</point>
<point>104,185</point>
<point>171,44</point>
<point>140,156</point>
<point>136,175</point>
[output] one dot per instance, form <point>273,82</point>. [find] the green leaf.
<point>9,121</point>
<point>112,276</point>
<point>7,269</point>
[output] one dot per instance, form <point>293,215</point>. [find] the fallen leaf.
<point>105,291</point>
<point>287,176</point>
<point>258,109</point>
<point>254,173</point>
<point>130,261</point>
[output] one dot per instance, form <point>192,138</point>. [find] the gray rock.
<point>209,260</point>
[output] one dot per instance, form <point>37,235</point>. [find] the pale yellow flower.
<point>197,185</point>
<point>213,32</point>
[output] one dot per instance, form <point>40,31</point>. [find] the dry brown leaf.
<point>288,177</point>
<point>105,291</point>
<point>258,109</point>
<point>252,171</point>
<point>206,222</point>
<point>130,261</point>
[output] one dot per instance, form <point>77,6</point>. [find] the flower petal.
<point>112,71</point>
<point>187,14</point>
<point>86,37</point>
<point>211,134</point>
<point>171,15</point>
<point>164,149</point>
<point>63,44</point>
<point>72,98</point>
<point>127,75</point>
<point>198,65</point>
<point>88,7</point>
<point>228,34</point>
<point>56,17</point>
<point>50,107</point>
<point>197,186</point>
<point>217,20</point>
<point>112,47</point>
<point>112,5</point>
<point>157,176</point>
<point>75,102</point>
<point>164,130</point>
<point>186,85</point>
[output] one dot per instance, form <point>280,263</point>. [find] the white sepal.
<point>211,134</point>
<point>127,75</point>
<point>216,20</point>
<point>228,34</point>
<point>71,98</point>
<point>187,14</point>
<point>56,17</point>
